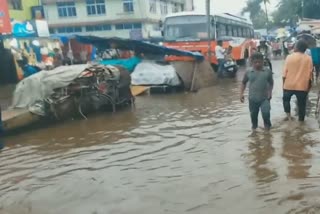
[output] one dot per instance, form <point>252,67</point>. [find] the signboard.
<point>27,29</point>
<point>23,29</point>
<point>42,28</point>
<point>5,25</point>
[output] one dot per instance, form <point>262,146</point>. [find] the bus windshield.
<point>186,28</point>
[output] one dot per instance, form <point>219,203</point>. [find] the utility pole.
<point>302,9</point>
<point>209,28</point>
<point>267,15</point>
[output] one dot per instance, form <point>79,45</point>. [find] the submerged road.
<point>181,153</point>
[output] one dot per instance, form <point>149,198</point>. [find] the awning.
<point>137,46</point>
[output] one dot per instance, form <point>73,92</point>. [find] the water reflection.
<point>1,143</point>
<point>174,154</point>
<point>296,151</point>
<point>261,150</point>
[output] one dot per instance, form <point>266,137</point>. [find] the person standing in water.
<point>260,91</point>
<point>297,79</point>
<point>220,54</point>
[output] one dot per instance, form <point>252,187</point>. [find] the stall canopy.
<point>135,45</point>
<point>63,38</point>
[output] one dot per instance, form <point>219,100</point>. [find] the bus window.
<point>221,30</point>
<point>247,32</point>
<point>229,30</point>
<point>239,32</point>
<point>234,31</point>
<point>186,28</point>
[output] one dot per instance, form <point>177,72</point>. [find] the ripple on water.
<point>179,153</point>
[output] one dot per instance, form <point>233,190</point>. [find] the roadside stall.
<point>192,74</point>
<point>30,46</point>
<point>72,51</point>
<point>76,90</point>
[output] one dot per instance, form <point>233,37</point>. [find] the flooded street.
<point>181,153</point>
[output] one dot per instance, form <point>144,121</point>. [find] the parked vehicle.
<point>233,30</point>
<point>266,61</point>
<point>230,68</point>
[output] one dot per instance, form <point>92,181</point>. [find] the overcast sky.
<point>231,6</point>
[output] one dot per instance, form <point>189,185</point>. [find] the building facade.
<point>134,19</point>
<point>22,9</point>
<point>190,5</point>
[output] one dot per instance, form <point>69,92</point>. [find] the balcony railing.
<point>55,1</point>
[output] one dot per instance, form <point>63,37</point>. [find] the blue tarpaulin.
<point>137,46</point>
<point>315,54</point>
<point>128,64</point>
<point>63,38</point>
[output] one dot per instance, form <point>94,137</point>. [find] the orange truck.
<point>189,31</point>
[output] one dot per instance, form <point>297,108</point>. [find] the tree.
<point>257,15</point>
<point>265,2</point>
<point>259,20</point>
<point>290,11</point>
<point>311,9</point>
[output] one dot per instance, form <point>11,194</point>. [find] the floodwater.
<point>182,153</point>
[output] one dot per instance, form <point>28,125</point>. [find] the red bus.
<point>189,31</point>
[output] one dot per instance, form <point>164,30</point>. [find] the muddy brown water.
<point>181,153</point>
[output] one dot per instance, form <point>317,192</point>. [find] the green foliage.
<point>257,14</point>
<point>287,12</point>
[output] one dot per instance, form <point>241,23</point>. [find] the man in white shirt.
<point>285,49</point>
<point>220,51</point>
<point>84,56</point>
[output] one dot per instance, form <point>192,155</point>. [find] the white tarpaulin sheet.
<point>41,85</point>
<point>149,73</point>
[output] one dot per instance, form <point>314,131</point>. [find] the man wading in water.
<point>260,91</point>
<point>297,79</point>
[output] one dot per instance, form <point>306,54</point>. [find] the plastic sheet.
<point>148,73</point>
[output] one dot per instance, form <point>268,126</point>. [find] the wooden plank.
<point>17,118</point>
<point>137,90</point>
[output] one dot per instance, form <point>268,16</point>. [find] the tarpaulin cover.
<point>149,73</point>
<point>41,85</point>
<point>315,53</point>
<point>135,45</point>
<point>128,64</point>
